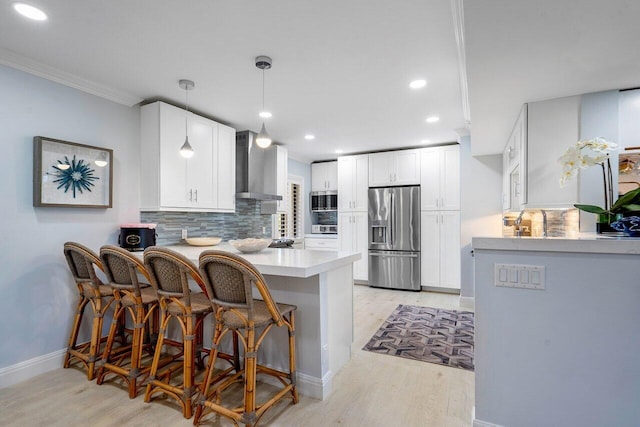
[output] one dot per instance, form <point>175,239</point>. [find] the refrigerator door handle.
<point>410,255</point>
<point>391,220</point>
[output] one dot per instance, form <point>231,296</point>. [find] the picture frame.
<point>71,175</point>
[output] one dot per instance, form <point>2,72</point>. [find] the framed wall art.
<point>67,174</point>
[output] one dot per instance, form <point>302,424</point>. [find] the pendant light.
<point>263,139</point>
<point>186,150</point>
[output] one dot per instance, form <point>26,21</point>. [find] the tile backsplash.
<point>247,221</point>
<point>560,223</point>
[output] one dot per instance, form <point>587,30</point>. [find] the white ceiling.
<point>341,69</point>
<point>521,51</point>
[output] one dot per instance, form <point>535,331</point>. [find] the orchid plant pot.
<point>603,226</point>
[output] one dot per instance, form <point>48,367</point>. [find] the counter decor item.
<point>203,241</point>
<point>71,175</point>
<point>630,225</point>
<point>250,245</point>
<point>590,152</point>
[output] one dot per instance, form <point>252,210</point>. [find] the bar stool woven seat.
<point>83,262</point>
<point>230,281</point>
<point>169,273</point>
<point>140,301</point>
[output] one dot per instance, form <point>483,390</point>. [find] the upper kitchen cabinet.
<point>170,182</point>
<point>514,165</point>
<point>400,167</point>
<point>282,176</point>
<point>440,178</point>
<point>353,183</point>
<point>531,171</point>
<point>324,176</point>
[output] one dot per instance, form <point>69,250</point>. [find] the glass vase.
<point>603,226</point>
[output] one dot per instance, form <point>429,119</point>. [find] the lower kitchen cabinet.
<point>321,244</point>
<point>440,249</point>
<point>352,237</point>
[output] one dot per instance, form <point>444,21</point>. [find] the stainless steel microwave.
<point>322,201</point>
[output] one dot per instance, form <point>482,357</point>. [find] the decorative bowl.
<point>250,245</point>
<point>203,241</point>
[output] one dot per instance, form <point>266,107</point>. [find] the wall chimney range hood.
<point>256,169</point>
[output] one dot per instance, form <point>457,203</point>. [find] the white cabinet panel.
<point>282,177</point>
<point>440,178</point>
<point>318,243</point>
<point>400,167</point>
<point>352,237</point>
<point>324,176</point>
<point>205,182</point>
<point>440,249</point>
<point>353,183</point>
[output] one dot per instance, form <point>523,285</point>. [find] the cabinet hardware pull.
<point>191,195</point>
<point>196,196</point>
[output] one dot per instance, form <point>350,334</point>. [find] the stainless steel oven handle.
<point>393,255</point>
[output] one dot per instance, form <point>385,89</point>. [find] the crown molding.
<point>457,11</point>
<point>22,63</point>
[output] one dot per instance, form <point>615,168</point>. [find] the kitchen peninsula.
<point>320,284</point>
<point>559,346</point>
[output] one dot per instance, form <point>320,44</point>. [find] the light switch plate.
<point>519,276</point>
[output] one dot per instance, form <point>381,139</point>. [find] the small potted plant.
<point>590,152</point>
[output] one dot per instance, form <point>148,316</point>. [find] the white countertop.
<point>583,243</point>
<point>320,236</point>
<point>279,261</point>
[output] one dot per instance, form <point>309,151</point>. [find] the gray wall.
<point>38,293</point>
<point>480,207</point>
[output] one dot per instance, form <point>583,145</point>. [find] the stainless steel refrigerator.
<point>394,237</point>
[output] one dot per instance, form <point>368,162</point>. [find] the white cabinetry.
<point>353,183</point>
<point>440,249</point>
<point>171,182</point>
<point>542,133</point>
<point>282,177</point>
<point>321,244</point>
<point>515,166</point>
<point>440,178</point>
<point>324,176</point>
<point>352,237</point>
<point>400,167</point>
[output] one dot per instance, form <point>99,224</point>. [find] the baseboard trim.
<point>468,302</point>
<point>479,423</point>
<point>439,289</point>
<point>28,369</point>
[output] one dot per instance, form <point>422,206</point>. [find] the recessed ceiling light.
<point>309,137</point>
<point>426,141</point>
<point>30,12</point>
<point>265,114</point>
<point>339,151</point>
<point>433,119</point>
<point>418,84</point>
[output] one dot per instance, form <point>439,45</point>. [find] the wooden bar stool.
<point>229,280</point>
<point>82,263</point>
<point>140,301</point>
<point>169,273</point>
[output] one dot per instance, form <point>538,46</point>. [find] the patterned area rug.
<point>428,334</point>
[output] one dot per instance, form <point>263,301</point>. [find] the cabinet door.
<point>430,248</point>
<point>283,176</point>
<point>430,179</point>
<point>331,175</point>
<point>203,135</point>
<point>226,168</point>
<point>345,183</point>
<point>450,178</point>
<point>380,165</point>
<point>361,244</point>
<point>506,181</point>
<point>173,167</point>
<point>450,250</point>
<point>360,183</point>
<point>406,167</point>
<point>318,181</point>
<point>345,231</point>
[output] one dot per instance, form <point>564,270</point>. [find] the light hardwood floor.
<point>371,390</point>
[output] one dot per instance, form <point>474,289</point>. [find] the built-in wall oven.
<point>322,201</point>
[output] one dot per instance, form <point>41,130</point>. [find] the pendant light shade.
<point>263,139</point>
<point>186,150</point>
